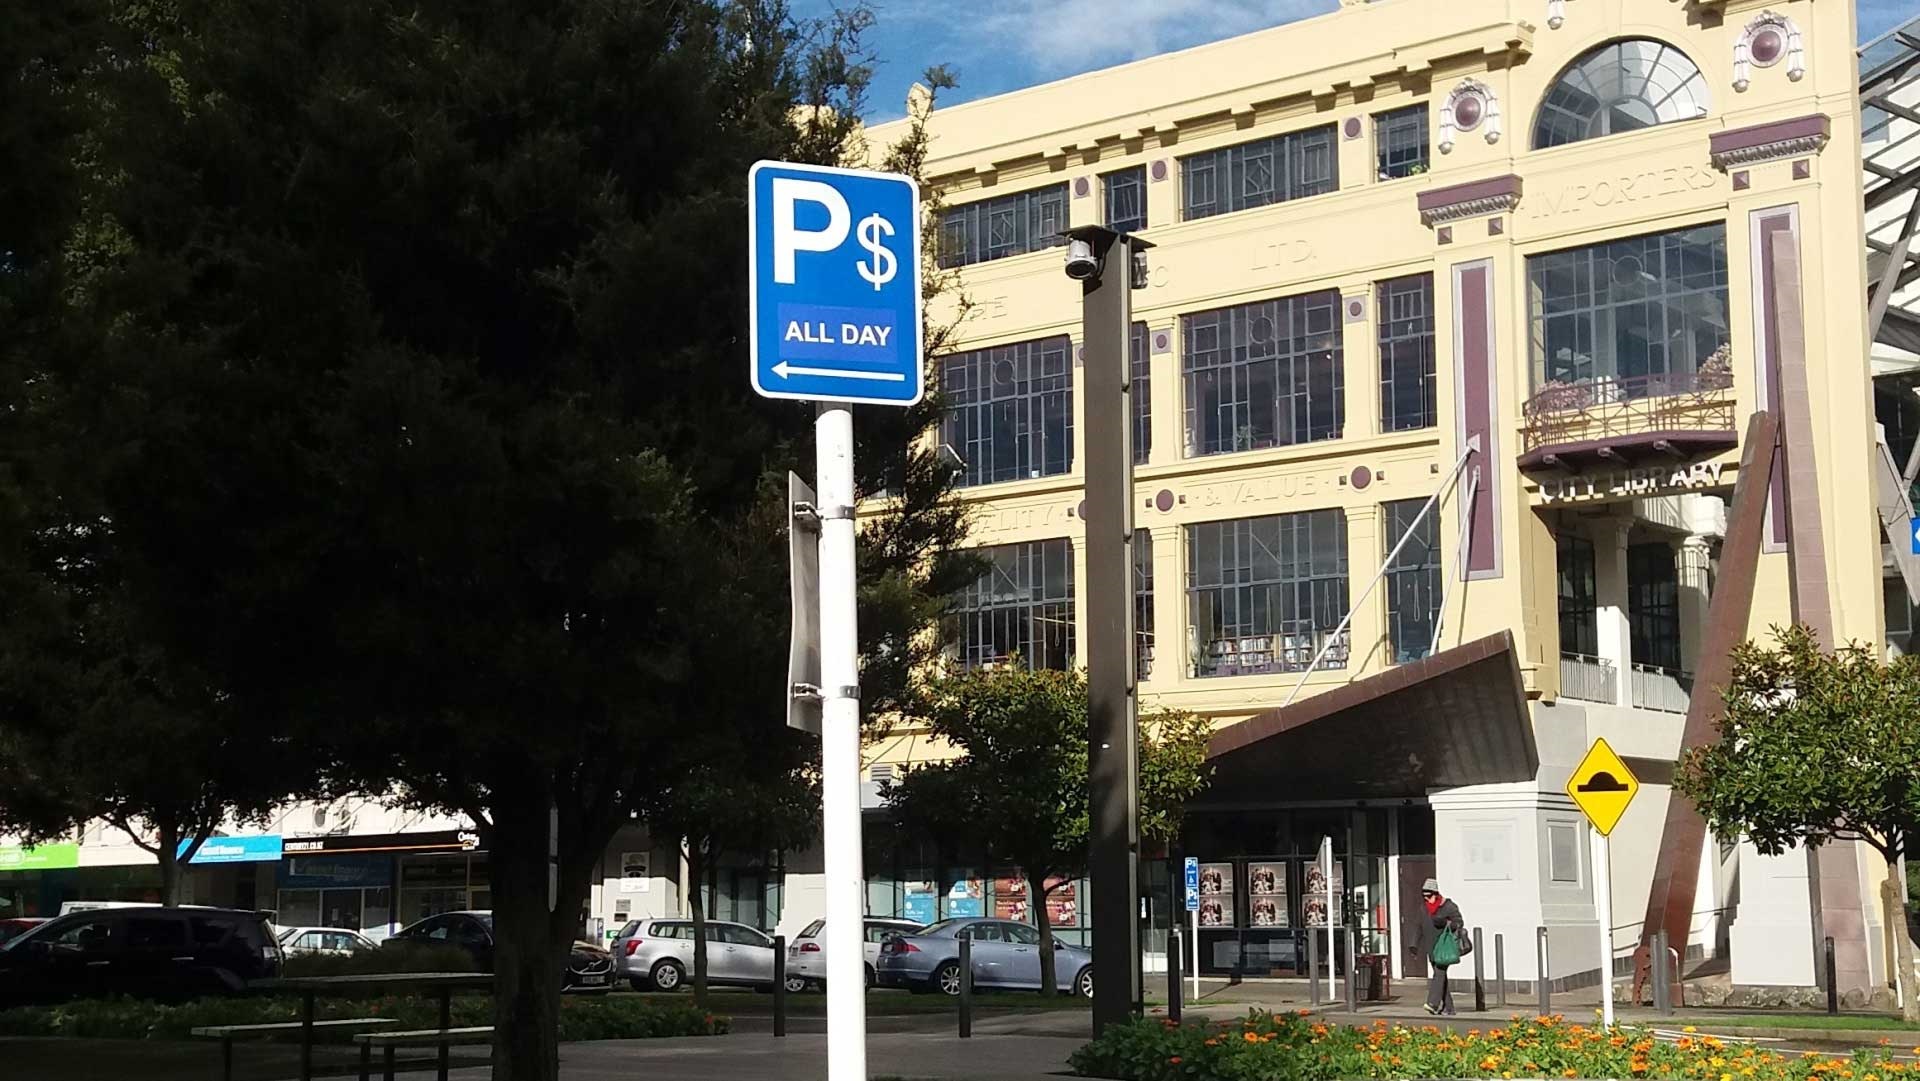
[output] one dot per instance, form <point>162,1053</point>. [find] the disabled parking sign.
<point>834,274</point>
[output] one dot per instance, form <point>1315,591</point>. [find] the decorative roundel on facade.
<point>1080,511</point>
<point>1082,187</point>
<point>1352,127</point>
<point>1362,476</point>
<point>1356,307</point>
<point>1158,169</point>
<point>1472,106</point>
<point>1162,341</point>
<point>1768,39</point>
<point>1163,499</point>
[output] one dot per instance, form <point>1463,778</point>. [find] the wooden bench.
<point>442,1038</point>
<point>226,1033</point>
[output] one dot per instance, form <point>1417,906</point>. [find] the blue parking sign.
<point>1193,883</point>
<point>834,264</point>
<point>1916,537</point>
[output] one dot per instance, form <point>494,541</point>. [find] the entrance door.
<point>1414,872</point>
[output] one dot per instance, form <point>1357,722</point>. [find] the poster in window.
<point>1216,895</point>
<point>635,873</point>
<point>967,897</point>
<point>1063,903</point>
<point>1267,895</point>
<point>1313,903</point>
<point>1010,898</point>
<point>918,903</point>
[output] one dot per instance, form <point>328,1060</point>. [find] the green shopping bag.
<point>1446,948</point>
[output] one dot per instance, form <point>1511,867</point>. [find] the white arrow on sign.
<point>783,370</point>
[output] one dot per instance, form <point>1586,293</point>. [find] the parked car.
<point>327,941</point>
<point>658,955</point>
<point>17,926</point>
<point>1006,956</point>
<point>589,967</point>
<point>150,952</point>
<point>807,955</point>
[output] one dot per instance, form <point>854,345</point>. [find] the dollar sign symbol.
<point>884,267</point>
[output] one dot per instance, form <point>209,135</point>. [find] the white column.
<point>1694,560</point>
<point>1396,949</point>
<point>1615,637</point>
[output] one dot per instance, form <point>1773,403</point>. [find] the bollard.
<point>1546,985</point>
<point>1500,968</point>
<point>1176,964</point>
<point>1833,985</point>
<point>966,986</point>
<point>779,985</point>
<point>1479,971</point>
<point>1662,975</point>
<point>1313,968</point>
<point>1353,944</point>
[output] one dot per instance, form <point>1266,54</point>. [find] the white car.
<point>807,957</point>
<point>328,941</point>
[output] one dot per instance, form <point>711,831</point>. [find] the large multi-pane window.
<point>1141,391</point>
<point>1123,199</point>
<point>1002,226</point>
<point>1636,317</point>
<point>1406,354</point>
<point>1248,175</point>
<point>1142,603</point>
<point>1579,607</point>
<point>1400,141</point>
<point>1263,375</point>
<point>1653,605</point>
<point>1265,594</point>
<point>1619,87</point>
<point>1413,578</point>
<point>1010,410</point>
<point>1021,607</point>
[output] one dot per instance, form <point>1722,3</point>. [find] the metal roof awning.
<point>1458,717</point>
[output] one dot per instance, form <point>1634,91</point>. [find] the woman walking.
<point>1443,939</point>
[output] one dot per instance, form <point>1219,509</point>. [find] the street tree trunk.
<point>166,850</point>
<point>1037,890</point>
<point>530,942</point>
<point>1902,944</point>
<point>697,877</point>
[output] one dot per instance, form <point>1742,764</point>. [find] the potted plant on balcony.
<point>1560,395</point>
<point>1716,372</point>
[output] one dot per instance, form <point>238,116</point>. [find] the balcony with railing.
<point>1587,679</point>
<point>1616,420</point>
<point>1666,690</point>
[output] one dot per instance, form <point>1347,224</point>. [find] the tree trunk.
<point>167,851</point>
<point>1902,945</point>
<point>696,907</point>
<point>530,943</point>
<point>1037,890</point>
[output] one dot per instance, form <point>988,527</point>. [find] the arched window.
<point>1620,86</point>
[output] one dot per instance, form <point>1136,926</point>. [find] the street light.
<point>1113,858</point>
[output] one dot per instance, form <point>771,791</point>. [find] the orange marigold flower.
<point>1569,1072</point>
<point>1490,1063</point>
<point>1174,1061</point>
<point>1252,1038</point>
<point>1304,1013</point>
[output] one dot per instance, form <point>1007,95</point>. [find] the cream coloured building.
<point>1506,281</point>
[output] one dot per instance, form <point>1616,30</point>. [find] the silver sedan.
<point>658,955</point>
<point>1006,956</point>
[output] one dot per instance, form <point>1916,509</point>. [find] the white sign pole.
<point>1603,908</point>
<point>1193,923</point>
<point>1326,871</point>
<point>840,745</point>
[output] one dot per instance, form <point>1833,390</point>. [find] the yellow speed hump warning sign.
<point>1602,786</point>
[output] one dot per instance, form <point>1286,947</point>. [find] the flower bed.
<point>605,1017</point>
<point>1295,1047</point>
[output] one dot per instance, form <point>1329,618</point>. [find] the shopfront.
<point>349,889</point>
<point>378,883</point>
<point>34,881</point>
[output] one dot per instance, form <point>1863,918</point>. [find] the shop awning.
<point>1456,718</point>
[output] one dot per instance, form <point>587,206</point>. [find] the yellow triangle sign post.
<point>1602,786</point>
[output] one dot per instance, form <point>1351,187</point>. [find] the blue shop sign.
<point>345,871</point>
<point>254,849</point>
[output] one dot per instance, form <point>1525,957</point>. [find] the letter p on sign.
<point>789,238</point>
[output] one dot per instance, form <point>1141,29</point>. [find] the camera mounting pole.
<point>1108,266</point>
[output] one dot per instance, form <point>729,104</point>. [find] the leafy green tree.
<point>1815,747</point>
<point>1017,793</point>
<point>395,361</point>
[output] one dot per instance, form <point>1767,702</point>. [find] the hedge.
<point>389,957</point>
<point>1294,1047</point>
<point>601,1017</point>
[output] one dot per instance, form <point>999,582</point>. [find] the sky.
<point>1002,45</point>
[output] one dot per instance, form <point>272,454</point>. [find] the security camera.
<point>1081,264</point>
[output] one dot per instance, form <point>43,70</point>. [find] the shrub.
<point>1294,1047</point>
<point>391,957</point>
<point>602,1017</point>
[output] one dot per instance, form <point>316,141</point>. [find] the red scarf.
<point>1434,903</point>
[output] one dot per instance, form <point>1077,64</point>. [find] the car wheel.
<point>796,984</point>
<point>873,978</point>
<point>947,978</point>
<point>667,976</point>
<point>1083,983</point>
